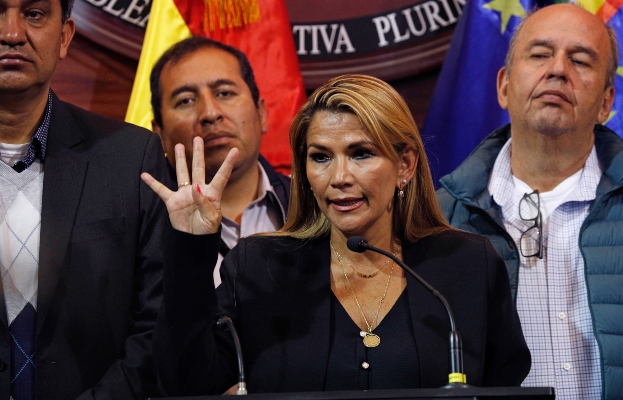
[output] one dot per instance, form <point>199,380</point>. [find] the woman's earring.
<point>401,193</point>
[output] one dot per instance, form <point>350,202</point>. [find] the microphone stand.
<point>456,378</point>
<point>226,322</point>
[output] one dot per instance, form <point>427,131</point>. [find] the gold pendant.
<point>371,340</point>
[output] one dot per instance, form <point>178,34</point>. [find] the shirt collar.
<point>501,185</point>
<point>264,187</point>
<point>266,190</point>
<point>38,143</point>
<point>591,175</point>
<point>265,193</point>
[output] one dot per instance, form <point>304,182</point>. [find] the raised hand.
<point>196,206</point>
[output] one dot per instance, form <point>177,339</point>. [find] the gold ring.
<point>183,184</point>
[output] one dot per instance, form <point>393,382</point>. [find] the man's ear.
<point>67,33</point>
<point>502,85</point>
<point>261,109</point>
<point>606,106</point>
<point>157,129</point>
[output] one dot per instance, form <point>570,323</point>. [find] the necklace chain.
<point>352,291</point>
<point>361,274</point>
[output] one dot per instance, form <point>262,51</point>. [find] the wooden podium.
<point>493,393</point>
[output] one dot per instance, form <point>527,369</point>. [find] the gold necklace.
<point>369,339</point>
<point>361,274</point>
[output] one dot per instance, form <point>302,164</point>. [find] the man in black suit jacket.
<point>203,88</point>
<point>80,291</point>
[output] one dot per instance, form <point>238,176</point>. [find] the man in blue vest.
<point>547,190</point>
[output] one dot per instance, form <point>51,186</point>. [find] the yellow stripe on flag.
<point>592,5</point>
<point>165,28</point>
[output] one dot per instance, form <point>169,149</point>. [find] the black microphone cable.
<point>226,322</point>
<point>456,378</point>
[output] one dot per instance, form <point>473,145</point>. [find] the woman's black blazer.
<point>277,291</point>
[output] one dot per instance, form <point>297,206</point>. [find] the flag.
<point>157,40</point>
<point>260,29</point>
<point>464,108</point>
<point>610,12</point>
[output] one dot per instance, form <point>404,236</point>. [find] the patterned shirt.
<point>552,298</point>
<point>39,141</point>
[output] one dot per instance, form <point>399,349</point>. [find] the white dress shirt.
<point>552,298</point>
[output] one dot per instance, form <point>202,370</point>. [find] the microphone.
<point>456,378</point>
<point>227,323</point>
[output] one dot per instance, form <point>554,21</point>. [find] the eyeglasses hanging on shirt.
<point>531,241</point>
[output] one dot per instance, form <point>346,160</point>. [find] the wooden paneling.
<point>95,78</point>
<point>100,81</point>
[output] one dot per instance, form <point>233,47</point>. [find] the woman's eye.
<point>362,154</point>
<point>319,157</point>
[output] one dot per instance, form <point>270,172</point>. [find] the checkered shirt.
<point>552,299</point>
<point>38,143</point>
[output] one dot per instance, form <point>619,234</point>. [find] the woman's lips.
<point>346,204</point>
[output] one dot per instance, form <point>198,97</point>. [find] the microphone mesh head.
<point>356,243</point>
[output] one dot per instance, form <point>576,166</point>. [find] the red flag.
<point>260,29</point>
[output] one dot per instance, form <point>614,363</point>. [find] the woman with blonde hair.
<point>311,314</point>
<point>385,117</point>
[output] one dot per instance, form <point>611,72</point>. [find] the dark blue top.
<point>391,365</point>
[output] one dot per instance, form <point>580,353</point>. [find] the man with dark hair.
<point>80,234</point>
<point>66,6</point>
<point>548,192</point>
<point>204,88</point>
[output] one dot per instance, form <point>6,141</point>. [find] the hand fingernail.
<point>198,188</point>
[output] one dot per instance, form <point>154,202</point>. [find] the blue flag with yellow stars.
<point>611,12</point>
<point>464,108</point>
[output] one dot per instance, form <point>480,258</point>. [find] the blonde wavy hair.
<point>387,120</point>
